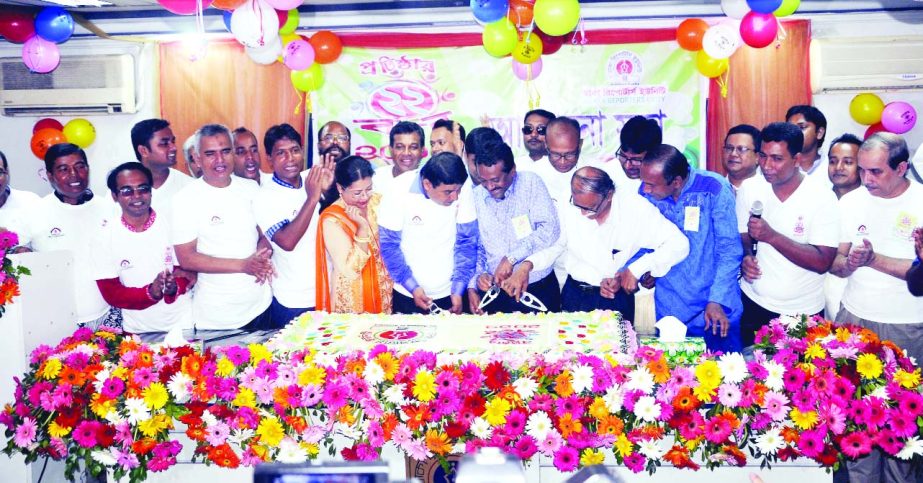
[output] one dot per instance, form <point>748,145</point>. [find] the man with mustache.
<point>843,170</point>
<point>741,154</point>
<point>534,126</point>
<point>405,144</point>
<point>247,156</point>
<point>333,144</point>
<point>155,148</point>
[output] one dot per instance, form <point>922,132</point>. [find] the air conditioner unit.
<point>97,84</point>
<point>862,64</point>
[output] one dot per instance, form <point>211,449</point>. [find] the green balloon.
<point>556,17</point>
<point>310,79</point>
<point>787,8</point>
<point>291,22</point>
<point>500,37</point>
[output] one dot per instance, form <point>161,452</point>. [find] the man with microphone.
<point>789,227</point>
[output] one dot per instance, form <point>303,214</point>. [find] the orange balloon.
<point>44,139</point>
<point>689,33</point>
<point>327,46</point>
<point>228,5</point>
<point>521,12</point>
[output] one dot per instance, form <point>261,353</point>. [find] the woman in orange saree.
<point>351,276</point>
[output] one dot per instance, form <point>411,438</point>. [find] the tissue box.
<point>685,353</point>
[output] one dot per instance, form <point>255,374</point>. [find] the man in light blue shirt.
<point>702,290</point>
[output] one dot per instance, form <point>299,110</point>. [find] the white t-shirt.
<point>295,281</point>
<point>428,232</point>
<point>888,224</point>
<point>135,258</point>
<point>808,216</point>
<point>161,199</point>
<point>614,169</point>
<point>558,183</point>
<point>819,171</point>
<point>525,163</point>
<point>223,223</point>
<point>383,179</point>
<point>14,212</point>
<point>55,225</point>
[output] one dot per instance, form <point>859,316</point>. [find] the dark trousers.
<point>260,322</point>
<point>545,290</point>
<point>401,304</point>
<point>754,318</point>
<point>581,297</point>
<point>281,315</point>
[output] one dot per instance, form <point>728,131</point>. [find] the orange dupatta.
<point>371,296</point>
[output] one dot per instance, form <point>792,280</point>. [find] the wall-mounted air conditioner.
<point>866,64</point>
<point>80,85</point>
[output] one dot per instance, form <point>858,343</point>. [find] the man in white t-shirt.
<point>843,171</point>
<point>189,152</point>
<point>534,126</point>
<point>813,125</point>
<point>876,251</point>
<point>247,160</point>
<point>133,259</point>
<point>68,219</point>
<point>405,145</point>
<point>14,204</point>
<point>638,136</point>
<point>789,248</point>
<point>428,230</point>
<point>287,211</point>
<point>215,234</point>
<point>155,148</point>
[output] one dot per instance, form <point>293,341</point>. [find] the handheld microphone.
<point>756,211</point>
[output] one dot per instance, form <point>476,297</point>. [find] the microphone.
<point>756,211</point>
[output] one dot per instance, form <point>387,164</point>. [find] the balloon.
<point>298,55</point>
<point>309,79</point>
<point>183,7</point>
<point>16,26</point>
<point>735,8</point>
<point>284,5</point>
<point>80,132</point>
<point>40,55</point>
<point>527,71</point>
<point>764,6</point>
<point>227,5</point>
<point>500,37</point>
<point>327,46</point>
<point>267,54</point>
<point>255,24</point>
<point>690,32</point>
<point>47,123</point>
<point>44,139</point>
<point>54,24</point>
<point>866,108</point>
<point>550,43</point>
<point>282,15</point>
<point>874,128</point>
<point>488,11</point>
<point>556,17</point>
<point>226,16</point>
<point>759,29</point>
<point>722,40</point>
<point>787,8</point>
<point>898,117</point>
<point>528,50</point>
<point>291,22</point>
<point>521,12</point>
<point>710,67</point>
<point>288,38</point>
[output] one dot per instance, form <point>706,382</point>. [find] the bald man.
<point>562,146</point>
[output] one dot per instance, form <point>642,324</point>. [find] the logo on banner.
<point>624,67</point>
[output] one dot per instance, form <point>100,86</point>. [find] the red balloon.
<point>690,32</point>
<point>327,46</point>
<point>17,26</point>
<point>47,123</point>
<point>874,128</point>
<point>44,139</point>
<point>551,43</point>
<point>283,16</point>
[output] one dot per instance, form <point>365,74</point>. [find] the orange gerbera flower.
<point>790,435</point>
<point>659,369</point>
<point>280,397</point>
<point>511,396</point>
<point>568,425</point>
<point>356,366</point>
<point>69,375</point>
<point>685,401</point>
<point>388,423</point>
<point>562,384</point>
<point>417,416</point>
<point>438,442</point>
<point>650,431</point>
<point>192,365</point>
<point>611,425</point>
<point>678,456</point>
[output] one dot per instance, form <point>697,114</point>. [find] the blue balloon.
<point>764,6</point>
<point>226,16</point>
<point>54,24</point>
<point>488,11</point>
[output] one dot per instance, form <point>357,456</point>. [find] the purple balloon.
<point>298,55</point>
<point>40,55</point>
<point>898,117</point>
<point>521,70</point>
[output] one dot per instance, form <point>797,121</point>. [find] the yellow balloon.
<point>310,79</point>
<point>709,66</point>
<point>866,108</point>
<point>80,132</point>
<point>500,37</point>
<point>288,38</point>
<point>528,50</point>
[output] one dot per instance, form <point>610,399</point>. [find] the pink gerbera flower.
<point>143,377</point>
<point>903,424</point>
<point>833,417</point>
<point>566,459</point>
<point>85,433</point>
<point>811,443</point>
<point>335,395</point>
<point>25,433</point>
<point>216,434</point>
<point>776,405</point>
<point>525,448</point>
<point>635,462</point>
<point>112,388</point>
<point>888,441</point>
<point>717,429</point>
<point>856,445</point>
<point>910,403</point>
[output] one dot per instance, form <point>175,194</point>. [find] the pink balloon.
<point>898,117</point>
<point>284,4</point>
<point>521,70</point>
<point>183,7</point>
<point>40,55</point>
<point>759,29</point>
<point>298,55</point>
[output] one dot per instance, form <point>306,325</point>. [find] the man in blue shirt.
<point>702,290</point>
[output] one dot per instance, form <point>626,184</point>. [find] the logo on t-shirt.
<point>862,231</point>
<point>125,264</point>
<point>55,232</point>
<point>799,226</point>
<point>903,228</point>
<point>416,220</point>
<point>216,220</point>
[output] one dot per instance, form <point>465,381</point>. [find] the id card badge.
<point>692,218</point>
<point>522,227</point>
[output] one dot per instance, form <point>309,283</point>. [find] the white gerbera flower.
<point>770,442</point>
<point>775,372</point>
<point>525,387</point>
<point>538,425</point>
<point>480,428</point>
<point>136,410</point>
<point>733,367</point>
<point>651,449</point>
<point>373,373</point>
<point>179,386</point>
<point>582,378</point>
<point>614,399</point>
<point>640,379</point>
<point>291,452</point>
<point>647,408</point>
<point>105,458</point>
<point>912,447</point>
<point>395,394</point>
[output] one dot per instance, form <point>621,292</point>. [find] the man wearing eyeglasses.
<point>701,290</point>
<point>247,156</point>
<point>334,142</point>
<point>562,145</point>
<point>638,136</point>
<point>534,127</point>
<point>741,154</point>
<point>133,258</point>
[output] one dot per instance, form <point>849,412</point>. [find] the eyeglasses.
<point>625,159</point>
<point>128,191</point>
<point>555,157</point>
<point>741,150</point>
<point>528,130</point>
<point>588,210</point>
<point>329,138</point>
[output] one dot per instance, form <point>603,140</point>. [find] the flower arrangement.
<point>9,275</point>
<point>813,390</point>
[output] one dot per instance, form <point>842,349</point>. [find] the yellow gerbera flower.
<point>869,366</point>
<point>591,457</point>
<point>815,351</point>
<point>51,368</point>
<point>155,395</point>
<point>803,420</point>
<point>57,431</point>
<point>496,410</point>
<point>245,398</point>
<point>424,386</point>
<point>259,352</point>
<point>270,431</point>
<point>312,375</point>
<point>225,367</point>
<point>708,373</point>
<point>623,446</point>
<point>907,380</point>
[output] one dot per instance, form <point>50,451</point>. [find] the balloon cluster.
<point>751,22</point>
<point>40,35</point>
<point>545,23</point>
<point>47,132</point>
<point>896,117</point>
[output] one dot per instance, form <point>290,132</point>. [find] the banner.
<point>601,86</point>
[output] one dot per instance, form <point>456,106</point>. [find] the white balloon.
<point>255,23</point>
<point>735,8</point>
<point>267,54</point>
<point>721,41</point>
